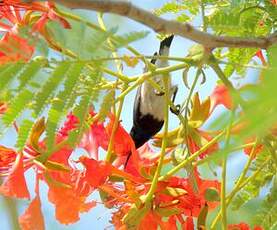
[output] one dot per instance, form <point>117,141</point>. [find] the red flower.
<point>199,138</point>
<point>13,48</point>
<point>189,225</point>
<point>248,150</point>
<point>17,14</point>
<point>260,55</point>
<point>7,157</point>
<point>123,142</point>
<point>95,137</point>
<point>15,184</point>
<point>68,193</point>
<point>32,217</point>
<point>221,95</point>
<point>3,107</point>
<point>242,226</point>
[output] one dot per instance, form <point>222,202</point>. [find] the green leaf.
<point>82,109</point>
<point>16,107</point>
<point>127,38</point>
<point>106,104</point>
<point>264,177</point>
<point>50,86</point>
<point>24,133</point>
<point>29,71</point>
<point>267,216</point>
<point>9,73</point>
<point>57,111</point>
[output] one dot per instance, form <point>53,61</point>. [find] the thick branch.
<point>161,25</point>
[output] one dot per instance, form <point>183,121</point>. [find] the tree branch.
<point>161,25</point>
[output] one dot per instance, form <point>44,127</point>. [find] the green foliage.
<point>29,71</point>
<point>106,104</point>
<point>17,106</point>
<point>125,39</point>
<point>24,133</point>
<point>8,73</point>
<point>57,112</point>
<point>267,216</point>
<point>183,10</point>
<point>264,174</point>
<point>81,111</point>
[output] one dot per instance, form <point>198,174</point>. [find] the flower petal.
<point>15,184</point>
<point>32,218</point>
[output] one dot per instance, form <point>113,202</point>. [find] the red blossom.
<point>242,226</point>
<point>7,156</point>
<point>92,139</point>
<point>93,168</point>
<point>17,14</point>
<point>260,55</point>
<point>13,48</point>
<point>221,95</point>
<point>69,195</point>
<point>123,142</point>
<point>189,225</point>
<point>3,107</point>
<point>248,150</point>
<point>32,218</point>
<point>198,139</point>
<point>15,184</point>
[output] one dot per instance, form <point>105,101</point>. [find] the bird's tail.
<point>165,44</point>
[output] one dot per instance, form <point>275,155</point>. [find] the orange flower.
<point>7,157</point>
<point>15,184</point>
<point>68,191</point>
<point>16,15</point>
<point>13,48</point>
<point>221,95</point>
<point>242,226</point>
<point>123,142</point>
<point>32,217</point>
<point>3,107</point>
<point>260,55</point>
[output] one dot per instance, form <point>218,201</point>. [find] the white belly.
<point>151,103</point>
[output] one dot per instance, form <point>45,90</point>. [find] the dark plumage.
<point>149,104</point>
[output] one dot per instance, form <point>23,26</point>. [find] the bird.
<point>148,110</point>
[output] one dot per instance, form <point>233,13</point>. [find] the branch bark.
<point>161,25</point>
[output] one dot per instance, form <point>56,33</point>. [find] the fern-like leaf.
<point>81,111</point>
<point>17,106</point>
<point>28,73</point>
<point>57,110</point>
<point>50,86</point>
<point>8,73</point>
<point>24,133</point>
<point>106,104</point>
<point>252,189</point>
<point>127,38</point>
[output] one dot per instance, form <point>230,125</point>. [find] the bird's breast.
<point>153,103</point>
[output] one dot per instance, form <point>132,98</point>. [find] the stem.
<point>191,158</point>
<point>223,175</point>
<point>203,16</point>
<point>117,115</point>
<point>142,77</point>
<point>239,184</point>
<point>164,143</point>
<point>189,168</point>
<point>203,161</point>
